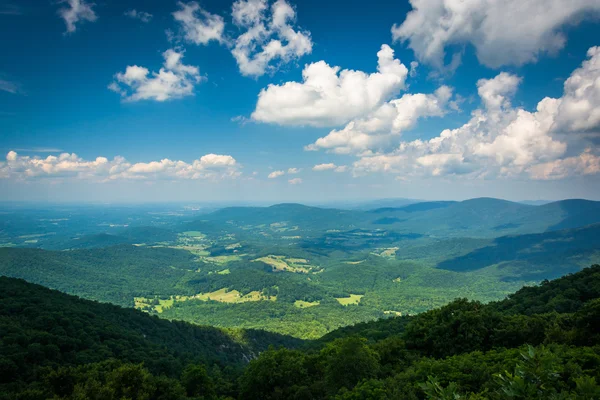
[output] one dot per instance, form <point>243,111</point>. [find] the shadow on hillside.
<point>535,254</point>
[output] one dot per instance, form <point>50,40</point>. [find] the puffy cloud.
<point>276,174</point>
<point>11,156</point>
<point>295,181</point>
<point>382,125</point>
<point>496,93</point>
<point>269,36</point>
<point>292,171</point>
<point>324,167</point>
<point>579,108</point>
<point>328,96</point>
<point>77,11</point>
<point>210,166</point>
<point>502,141</point>
<point>330,167</point>
<point>174,80</point>
<point>503,32</point>
<point>140,15</point>
<point>199,26</point>
<point>584,164</point>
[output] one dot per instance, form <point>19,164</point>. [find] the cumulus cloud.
<point>276,174</point>
<point>324,167</point>
<point>210,166</point>
<point>76,12</point>
<point>330,167</point>
<point>503,141</point>
<point>292,171</point>
<point>382,125</point>
<point>329,96</point>
<point>584,164</point>
<point>295,181</point>
<point>579,108</point>
<point>503,32</point>
<point>174,80</point>
<point>139,15</point>
<point>269,36</point>
<point>198,25</point>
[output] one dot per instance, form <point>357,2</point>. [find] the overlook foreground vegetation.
<point>542,342</point>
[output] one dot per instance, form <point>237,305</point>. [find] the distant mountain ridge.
<point>479,217</point>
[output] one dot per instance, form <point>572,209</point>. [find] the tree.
<point>197,382</point>
<point>349,361</point>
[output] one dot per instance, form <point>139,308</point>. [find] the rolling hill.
<point>481,217</point>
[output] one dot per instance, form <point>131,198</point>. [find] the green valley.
<point>305,271</point>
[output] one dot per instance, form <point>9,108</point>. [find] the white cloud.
<point>276,174</point>
<point>198,25</point>
<point>269,36</point>
<point>503,141</point>
<point>210,166</point>
<point>328,96</point>
<point>496,93</point>
<point>295,181</point>
<point>324,167</point>
<point>140,15</point>
<point>10,87</point>
<point>503,32</point>
<point>292,171</point>
<point>330,167</point>
<point>77,11</point>
<point>174,80</point>
<point>413,69</point>
<point>378,128</point>
<point>579,108</point>
<point>584,164</point>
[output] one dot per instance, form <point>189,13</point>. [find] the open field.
<point>353,299</point>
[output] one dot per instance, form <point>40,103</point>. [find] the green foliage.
<point>197,382</point>
<point>349,361</point>
<point>276,374</point>
<point>41,329</point>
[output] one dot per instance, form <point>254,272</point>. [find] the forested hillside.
<point>540,343</point>
<point>42,329</point>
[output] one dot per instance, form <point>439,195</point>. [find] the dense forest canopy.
<point>542,342</point>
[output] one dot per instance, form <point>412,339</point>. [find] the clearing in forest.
<point>296,265</point>
<point>386,252</point>
<point>354,299</point>
<point>306,304</point>
<point>222,295</point>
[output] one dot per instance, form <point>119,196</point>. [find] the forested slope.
<point>541,343</point>
<point>42,328</point>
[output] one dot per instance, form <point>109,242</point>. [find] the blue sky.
<point>82,117</point>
